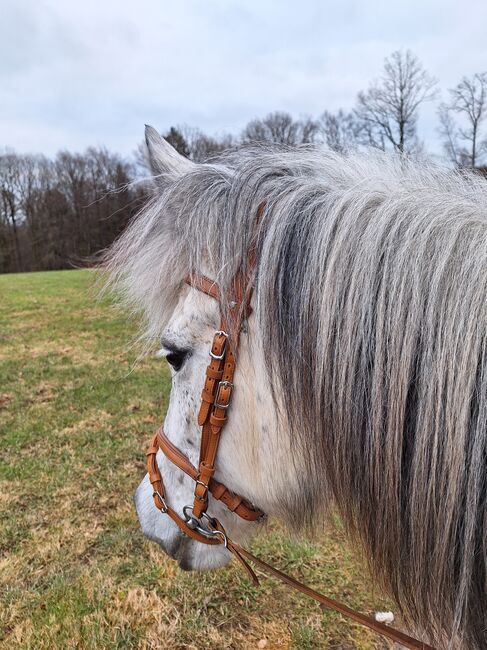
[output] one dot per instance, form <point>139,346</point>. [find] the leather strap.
<point>232,501</point>
<point>218,386</point>
<point>204,284</point>
<point>380,628</point>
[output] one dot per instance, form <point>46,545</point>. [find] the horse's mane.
<point>371,303</point>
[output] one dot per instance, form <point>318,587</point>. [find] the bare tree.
<point>340,131</point>
<point>35,177</point>
<point>10,200</point>
<point>278,127</point>
<point>388,110</point>
<point>202,147</point>
<point>281,128</point>
<point>468,102</point>
<point>309,130</point>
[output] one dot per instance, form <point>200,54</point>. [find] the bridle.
<point>216,396</point>
<point>212,416</point>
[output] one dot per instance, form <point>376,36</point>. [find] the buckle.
<point>216,403</point>
<point>162,500</point>
<point>205,495</point>
<point>219,357</point>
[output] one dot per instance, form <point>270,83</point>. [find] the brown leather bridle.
<point>215,401</point>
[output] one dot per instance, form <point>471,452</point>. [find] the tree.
<point>463,142</point>
<point>340,130</point>
<point>10,207</point>
<point>202,147</point>
<point>35,178</point>
<point>178,141</point>
<point>388,111</point>
<point>280,128</point>
<point>308,130</point>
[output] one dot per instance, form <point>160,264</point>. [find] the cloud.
<point>76,74</point>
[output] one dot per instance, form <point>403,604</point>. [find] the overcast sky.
<point>78,73</point>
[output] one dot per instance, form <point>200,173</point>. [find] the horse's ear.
<point>164,160</point>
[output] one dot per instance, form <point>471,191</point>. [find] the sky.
<point>93,72</point>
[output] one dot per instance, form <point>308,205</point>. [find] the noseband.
<point>212,417</point>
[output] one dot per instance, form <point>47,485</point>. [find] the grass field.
<point>75,571</point>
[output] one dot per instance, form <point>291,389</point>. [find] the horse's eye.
<point>176,358</point>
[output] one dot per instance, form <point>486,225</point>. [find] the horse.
<point>361,383</point>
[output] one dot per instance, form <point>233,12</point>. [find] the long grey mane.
<point>371,292</point>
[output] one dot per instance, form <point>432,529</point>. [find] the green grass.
<point>76,412</point>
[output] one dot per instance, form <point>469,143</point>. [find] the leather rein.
<point>216,396</point>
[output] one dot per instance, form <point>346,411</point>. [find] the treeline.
<point>56,213</point>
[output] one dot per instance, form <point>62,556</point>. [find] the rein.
<point>216,396</point>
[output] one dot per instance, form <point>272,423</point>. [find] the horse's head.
<point>186,342</point>
<point>246,461</point>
